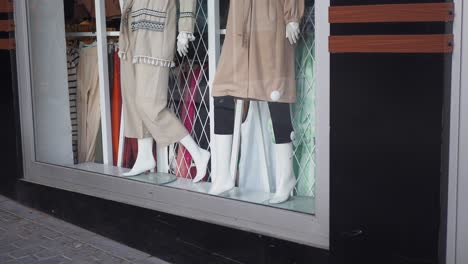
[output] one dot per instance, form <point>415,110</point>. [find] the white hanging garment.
<point>257,165</point>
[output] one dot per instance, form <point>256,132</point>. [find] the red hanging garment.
<point>116,108</point>
<point>130,152</point>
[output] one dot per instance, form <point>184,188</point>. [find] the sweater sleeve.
<point>293,10</point>
<point>187,15</point>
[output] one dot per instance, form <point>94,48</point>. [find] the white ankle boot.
<point>285,180</point>
<point>199,155</point>
<point>223,180</point>
<point>145,159</point>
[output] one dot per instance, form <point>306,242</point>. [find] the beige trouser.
<point>144,96</point>
<point>87,104</point>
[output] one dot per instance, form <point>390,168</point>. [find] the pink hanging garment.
<point>187,115</point>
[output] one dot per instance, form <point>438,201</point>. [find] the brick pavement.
<point>29,236</point>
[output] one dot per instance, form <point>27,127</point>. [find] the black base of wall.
<point>172,238</point>
<point>10,155</point>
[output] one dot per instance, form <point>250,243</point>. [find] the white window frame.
<point>312,230</point>
<point>456,233</point>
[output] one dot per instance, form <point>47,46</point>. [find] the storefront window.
<point>130,95</point>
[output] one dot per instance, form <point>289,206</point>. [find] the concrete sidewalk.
<point>28,236</point>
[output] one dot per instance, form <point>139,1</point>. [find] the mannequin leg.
<point>223,181</point>
<point>160,122</point>
<point>199,155</point>
<point>145,160</point>
<point>283,150</point>
<point>224,127</point>
<point>151,105</point>
<point>285,180</point>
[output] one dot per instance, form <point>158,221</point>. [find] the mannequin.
<point>148,38</point>
<point>246,71</point>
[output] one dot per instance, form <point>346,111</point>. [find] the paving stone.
<point>47,253</point>
<point>3,198</point>
<point>27,236</point>
<point>82,262</point>
<point>24,260</point>
<point>8,217</point>
<point>151,260</point>
<point>6,248</point>
<point>5,258</point>
<point>118,249</point>
<point>62,243</point>
<point>31,241</point>
<point>23,252</point>
<point>19,210</point>
<point>14,225</point>
<point>9,238</point>
<point>85,253</point>
<point>54,260</point>
<point>42,230</point>
<point>105,258</point>
<point>67,229</point>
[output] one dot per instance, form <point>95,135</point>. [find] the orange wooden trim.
<point>6,6</point>
<point>432,12</point>
<point>391,44</point>
<point>7,25</point>
<point>7,44</point>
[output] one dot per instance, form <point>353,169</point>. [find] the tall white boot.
<point>285,180</point>
<point>199,155</point>
<point>223,180</point>
<point>145,159</point>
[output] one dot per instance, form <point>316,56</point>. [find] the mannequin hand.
<point>292,32</point>
<point>183,42</point>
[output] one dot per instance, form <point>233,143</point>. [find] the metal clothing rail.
<point>91,34</point>
<point>103,68</point>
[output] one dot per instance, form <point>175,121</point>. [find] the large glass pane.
<point>138,105</point>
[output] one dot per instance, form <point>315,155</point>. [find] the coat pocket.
<point>150,17</point>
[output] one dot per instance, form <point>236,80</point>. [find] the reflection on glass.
<point>50,82</point>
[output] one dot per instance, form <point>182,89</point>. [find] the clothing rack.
<point>90,34</point>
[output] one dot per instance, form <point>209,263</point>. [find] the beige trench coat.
<point>257,59</point>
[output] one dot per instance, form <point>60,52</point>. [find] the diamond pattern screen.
<point>303,111</point>
<point>189,96</point>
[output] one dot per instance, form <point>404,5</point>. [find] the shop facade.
<point>366,131</point>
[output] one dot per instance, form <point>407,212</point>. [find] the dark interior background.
<point>386,147</point>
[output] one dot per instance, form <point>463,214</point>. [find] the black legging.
<point>280,116</point>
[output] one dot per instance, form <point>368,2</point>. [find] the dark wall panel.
<point>386,123</point>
